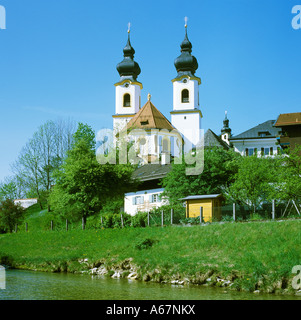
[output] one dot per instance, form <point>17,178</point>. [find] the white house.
<point>143,200</point>
<point>260,140</point>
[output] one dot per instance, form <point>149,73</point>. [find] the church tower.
<point>226,130</point>
<point>186,115</point>
<point>128,89</point>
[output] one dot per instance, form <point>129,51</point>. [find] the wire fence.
<point>230,212</point>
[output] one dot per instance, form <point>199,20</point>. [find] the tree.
<point>289,175</point>
<point>83,185</point>
<point>40,157</point>
<point>254,182</point>
<point>10,214</point>
<point>219,169</point>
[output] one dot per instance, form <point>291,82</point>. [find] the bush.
<point>139,219</point>
<point>10,215</point>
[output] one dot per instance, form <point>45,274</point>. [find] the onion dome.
<point>128,68</point>
<point>226,128</point>
<point>186,64</point>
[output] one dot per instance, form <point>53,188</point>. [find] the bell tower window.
<point>185,96</point>
<point>127,100</point>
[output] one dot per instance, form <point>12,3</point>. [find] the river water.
<point>29,285</point>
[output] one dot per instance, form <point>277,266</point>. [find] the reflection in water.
<point>28,285</point>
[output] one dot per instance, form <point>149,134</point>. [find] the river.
<point>30,285</point>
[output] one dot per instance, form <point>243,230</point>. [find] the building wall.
<point>143,201</point>
<point>26,203</point>
<point>242,146</point>
<point>211,209</point>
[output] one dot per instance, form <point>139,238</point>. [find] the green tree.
<point>289,175</point>
<point>83,185</point>
<point>219,169</point>
<point>10,214</point>
<point>254,182</point>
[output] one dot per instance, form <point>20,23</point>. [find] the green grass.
<point>253,255</point>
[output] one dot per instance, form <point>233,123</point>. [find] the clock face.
<point>127,85</point>
<point>185,80</point>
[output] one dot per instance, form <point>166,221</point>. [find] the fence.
<point>159,217</point>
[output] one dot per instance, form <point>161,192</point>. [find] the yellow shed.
<point>211,205</point>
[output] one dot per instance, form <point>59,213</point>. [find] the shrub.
<point>10,214</point>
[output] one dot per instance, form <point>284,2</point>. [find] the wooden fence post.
<point>171,216</point>
<point>66,224</point>
<point>162,218</point>
<point>234,211</point>
<point>16,228</point>
<point>26,226</point>
<point>121,220</point>
<point>273,209</point>
<point>201,215</point>
<point>51,225</point>
<point>148,218</point>
<point>83,223</point>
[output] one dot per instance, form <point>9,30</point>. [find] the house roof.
<point>151,172</point>
<point>288,119</point>
<point>205,196</point>
<point>213,140</point>
<point>149,117</point>
<point>266,128</point>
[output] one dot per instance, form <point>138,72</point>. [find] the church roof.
<point>151,172</point>
<point>213,140</point>
<point>149,117</point>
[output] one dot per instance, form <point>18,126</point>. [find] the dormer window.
<point>127,100</point>
<point>185,96</point>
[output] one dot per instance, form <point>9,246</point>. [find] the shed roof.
<point>205,196</point>
<point>288,119</point>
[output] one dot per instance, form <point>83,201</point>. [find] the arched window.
<point>185,96</point>
<point>127,100</point>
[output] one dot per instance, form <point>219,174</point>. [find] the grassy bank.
<point>245,256</point>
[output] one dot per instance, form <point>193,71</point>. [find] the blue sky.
<point>58,60</point>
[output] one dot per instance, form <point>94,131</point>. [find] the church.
<point>154,138</point>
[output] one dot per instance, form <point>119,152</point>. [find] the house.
<point>260,140</point>
<point>290,125</point>
<point>150,191</point>
<point>26,203</point>
<point>211,206</point>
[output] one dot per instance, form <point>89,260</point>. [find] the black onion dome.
<point>186,64</point>
<point>128,68</point>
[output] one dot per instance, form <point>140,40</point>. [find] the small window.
<point>247,152</point>
<point>127,100</point>
<point>251,152</point>
<point>271,151</point>
<point>185,96</point>
<point>155,198</point>
<point>138,200</point>
<point>266,151</point>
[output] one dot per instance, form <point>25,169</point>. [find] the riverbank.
<point>254,256</point>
